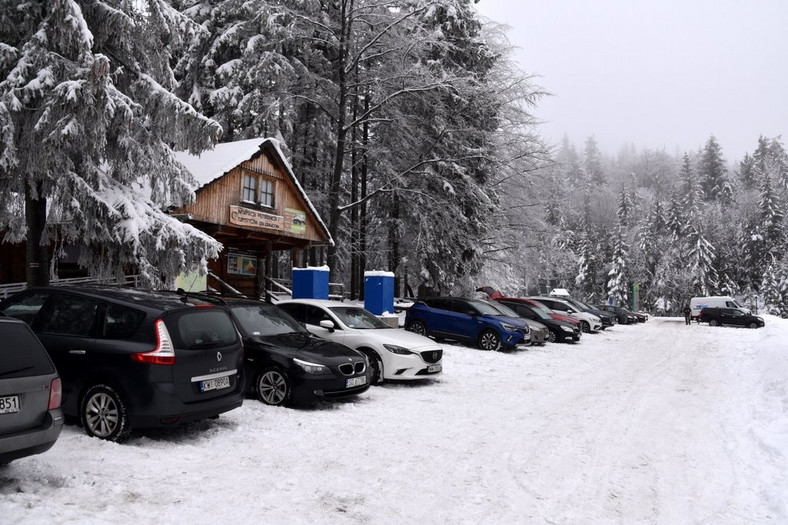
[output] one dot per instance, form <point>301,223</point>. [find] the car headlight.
<point>595,319</point>
<point>394,349</point>
<point>311,368</point>
<point>512,328</point>
<point>567,329</point>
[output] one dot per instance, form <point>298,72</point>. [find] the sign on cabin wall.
<point>241,264</point>
<point>249,218</point>
<point>296,219</point>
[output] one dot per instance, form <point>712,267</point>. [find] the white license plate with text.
<point>356,381</point>
<point>9,404</point>
<point>215,384</point>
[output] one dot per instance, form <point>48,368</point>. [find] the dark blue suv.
<point>467,320</point>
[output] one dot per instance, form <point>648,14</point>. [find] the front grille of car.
<point>350,369</point>
<point>432,356</point>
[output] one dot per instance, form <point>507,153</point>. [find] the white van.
<point>717,301</point>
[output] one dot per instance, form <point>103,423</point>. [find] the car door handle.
<point>77,352</point>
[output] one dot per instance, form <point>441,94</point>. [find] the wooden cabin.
<point>249,199</point>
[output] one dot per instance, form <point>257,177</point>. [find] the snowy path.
<point>655,423</point>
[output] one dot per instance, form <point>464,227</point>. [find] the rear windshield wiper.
<point>9,372</point>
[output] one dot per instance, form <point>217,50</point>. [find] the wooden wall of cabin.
<point>214,199</point>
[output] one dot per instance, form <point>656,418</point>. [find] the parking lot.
<point>656,422</point>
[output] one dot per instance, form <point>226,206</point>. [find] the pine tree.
<point>92,89</point>
<point>690,191</point>
<point>701,262</point>
<point>713,173</point>
<point>617,284</point>
<point>771,219</point>
<point>595,171</point>
<point>624,208</point>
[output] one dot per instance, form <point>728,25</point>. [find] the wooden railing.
<point>129,280</point>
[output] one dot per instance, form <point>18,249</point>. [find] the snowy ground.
<point>656,423</point>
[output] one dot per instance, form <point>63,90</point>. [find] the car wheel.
<point>551,337</point>
<point>585,327</point>
<point>489,340</point>
<point>272,387</point>
<point>714,322</point>
<point>752,325</point>
<point>376,366</point>
<point>418,328</point>
<point>103,414</point>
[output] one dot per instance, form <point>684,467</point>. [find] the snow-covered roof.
<point>212,164</point>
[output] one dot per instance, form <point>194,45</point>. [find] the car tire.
<point>752,325</point>
<point>489,340</point>
<point>376,366</point>
<point>551,336</point>
<point>714,322</point>
<point>273,388</point>
<point>103,414</point>
<point>417,327</point>
<point>585,327</point>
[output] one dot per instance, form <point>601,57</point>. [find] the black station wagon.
<point>132,358</point>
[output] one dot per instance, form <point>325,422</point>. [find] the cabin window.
<point>267,193</point>
<point>249,191</point>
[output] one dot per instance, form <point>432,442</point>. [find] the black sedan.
<point>624,316</point>
<point>286,364</point>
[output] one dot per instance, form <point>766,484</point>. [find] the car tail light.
<point>55,393</point>
<point>163,354</point>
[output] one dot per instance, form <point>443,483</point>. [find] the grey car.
<point>30,394</point>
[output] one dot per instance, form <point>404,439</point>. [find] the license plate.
<point>356,381</point>
<point>215,384</point>
<point>434,368</point>
<point>9,404</point>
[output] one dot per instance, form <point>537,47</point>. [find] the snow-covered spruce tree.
<point>774,289</point>
<point>624,207</point>
<point>595,170</point>
<point>618,282</point>
<point>88,125</point>
<point>700,254</point>
<point>587,267</point>
<point>713,173</point>
<point>690,192</point>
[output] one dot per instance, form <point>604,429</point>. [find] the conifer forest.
<point>410,127</point>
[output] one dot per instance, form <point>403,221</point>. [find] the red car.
<point>496,295</point>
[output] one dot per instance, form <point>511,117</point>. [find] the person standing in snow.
<point>687,312</point>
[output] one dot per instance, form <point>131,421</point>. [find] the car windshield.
<point>584,306</point>
<point>485,308</point>
<point>505,310</point>
<point>541,313</point>
<point>264,320</point>
<point>358,318</point>
<point>541,307</point>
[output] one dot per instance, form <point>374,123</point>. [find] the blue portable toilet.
<point>379,292</point>
<point>310,282</point>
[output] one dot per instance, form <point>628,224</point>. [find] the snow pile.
<point>653,423</point>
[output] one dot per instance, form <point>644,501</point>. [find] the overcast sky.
<point>657,74</point>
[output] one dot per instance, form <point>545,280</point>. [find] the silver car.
<point>30,394</point>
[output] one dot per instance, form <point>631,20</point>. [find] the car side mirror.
<point>471,313</point>
<point>328,325</point>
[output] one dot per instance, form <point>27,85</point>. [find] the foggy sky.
<point>656,74</point>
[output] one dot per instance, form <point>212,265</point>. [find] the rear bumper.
<point>164,408</point>
<point>32,441</point>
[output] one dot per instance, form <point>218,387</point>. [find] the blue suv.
<point>467,320</point>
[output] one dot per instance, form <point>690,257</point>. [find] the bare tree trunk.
<point>362,234</point>
<point>339,155</point>
<point>37,255</point>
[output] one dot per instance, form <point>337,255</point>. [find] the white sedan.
<point>393,353</point>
